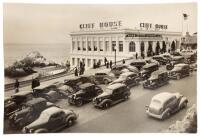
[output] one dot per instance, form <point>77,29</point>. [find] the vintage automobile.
<point>162,60</point>
<point>30,111</point>
<point>138,63</point>
<point>174,60</point>
<point>113,94</point>
<point>193,67</point>
<point>117,70</point>
<point>14,103</point>
<point>157,79</point>
<point>179,71</point>
<point>104,76</point>
<point>87,92</point>
<point>51,120</point>
<point>147,69</point>
<point>43,88</point>
<point>149,61</point>
<point>129,78</point>
<point>165,104</point>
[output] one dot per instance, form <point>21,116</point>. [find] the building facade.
<point>94,45</point>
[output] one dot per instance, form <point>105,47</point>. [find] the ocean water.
<point>55,52</point>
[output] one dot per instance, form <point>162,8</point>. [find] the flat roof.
<point>123,31</point>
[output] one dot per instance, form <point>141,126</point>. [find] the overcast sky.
<point>43,23</point>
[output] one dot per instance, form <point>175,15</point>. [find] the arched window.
<point>132,47</point>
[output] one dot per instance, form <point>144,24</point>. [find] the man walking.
<point>136,55</point>
<point>76,72</point>
<point>16,86</point>
<point>111,64</point>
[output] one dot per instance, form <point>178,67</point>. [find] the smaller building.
<point>189,41</point>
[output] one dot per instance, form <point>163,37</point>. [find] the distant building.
<point>92,46</point>
<point>189,41</point>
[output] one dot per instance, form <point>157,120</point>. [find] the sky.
<point>52,23</point>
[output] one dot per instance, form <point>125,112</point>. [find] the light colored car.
<point>51,120</point>
<point>165,104</point>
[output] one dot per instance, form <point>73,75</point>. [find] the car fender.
<point>105,100</point>
<point>166,110</point>
<point>41,130</point>
<point>110,80</point>
<point>183,99</point>
<point>71,116</point>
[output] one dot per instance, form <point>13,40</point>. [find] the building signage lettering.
<point>151,26</point>
<point>101,25</point>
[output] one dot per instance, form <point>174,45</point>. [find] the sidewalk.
<point>87,72</point>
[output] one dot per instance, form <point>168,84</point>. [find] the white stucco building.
<point>93,45</point>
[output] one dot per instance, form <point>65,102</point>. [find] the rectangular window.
<point>100,46</point>
<point>113,45</point>
<point>95,45</point>
<point>89,46</point>
<point>89,62</point>
<point>73,61</point>
<point>83,46</point>
<point>78,45</point>
<point>106,45</point>
<point>120,46</point>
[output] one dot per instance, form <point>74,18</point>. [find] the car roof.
<point>158,72</point>
<point>128,73</point>
<point>138,60</point>
<point>181,64</point>
<point>52,110</point>
<point>22,93</point>
<point>85,85</point>
<point>177,57</point>
<point>36,100</point>
<point>163,97</point>
<point>115,86</point>
<point>149,65</point>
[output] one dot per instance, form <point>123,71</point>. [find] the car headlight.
<point>150,82</point>
<point>30,130</point>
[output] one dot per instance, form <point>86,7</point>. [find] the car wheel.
<point>167,115</point>
<point>106,82</point>
<point>79,102</point>
<point>106,105</point>
<point>184,105</point>
<point>126,97</point>
<point>178,77</point>
<point>70,122</point>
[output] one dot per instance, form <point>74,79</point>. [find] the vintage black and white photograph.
<point>100,68</point>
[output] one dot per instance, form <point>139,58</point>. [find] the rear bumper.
<point>154,115</point>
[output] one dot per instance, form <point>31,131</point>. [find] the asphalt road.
<point>128,116</point>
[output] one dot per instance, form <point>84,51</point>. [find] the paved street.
<point>130,116</point>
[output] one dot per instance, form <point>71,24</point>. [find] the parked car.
<point>174,53</point>
<point>174,60</point>
<point>51,120</point>
<point>14,103</point>
<point>113,94</point>
<point>157,79</point>
<point>147,69</point>
<point>87,92</point>
<point>30,111</point>
<point>162,60</point>
<point>165,104</point>
<point>128,78</point>
<point>149,61</point>
<point>138,63</point>
<point>117,69</point>
<point>179,71</point>
<point>104,76</point>
<point>193,67</point>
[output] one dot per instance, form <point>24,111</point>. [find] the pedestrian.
<point>105,61</point>
<point>76,72</point>
<point>143,56</point>
<point>107,64</point>
<point>111,64</point>
<point>16,86</point>
<point>123,61</point>
<point>136,55</point>
<point>80,71</point>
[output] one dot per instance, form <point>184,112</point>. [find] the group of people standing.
<point>107,63</point>
<point>81,69</point>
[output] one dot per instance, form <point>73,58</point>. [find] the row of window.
<point>94,48</point>
<point>88,63</point>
